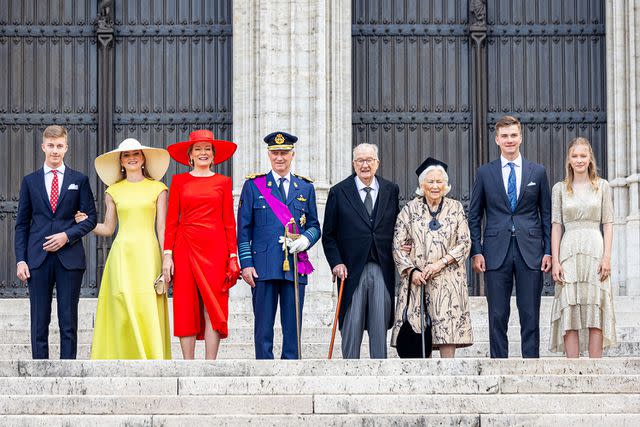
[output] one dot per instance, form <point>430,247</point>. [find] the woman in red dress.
<point>200,243</point>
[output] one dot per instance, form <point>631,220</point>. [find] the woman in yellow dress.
<point>132,320</point>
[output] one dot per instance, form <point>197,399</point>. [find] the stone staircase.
<point>458,392</point>
<point>237,390</point>
<point>316,333</point>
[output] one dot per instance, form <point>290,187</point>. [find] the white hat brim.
<point>108,164</point>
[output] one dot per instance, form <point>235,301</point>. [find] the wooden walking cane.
<point>335,320</point>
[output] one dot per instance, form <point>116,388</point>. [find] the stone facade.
<point>623,134</point>
<point>292,71</point>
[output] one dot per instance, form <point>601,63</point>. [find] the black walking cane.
<point>424,352</point>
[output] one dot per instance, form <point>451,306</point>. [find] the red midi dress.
<point>201,232</point>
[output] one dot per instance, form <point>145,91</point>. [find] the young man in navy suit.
<point>512,195</point>
<point>48,243</point>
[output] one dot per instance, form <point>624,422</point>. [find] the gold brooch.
<point>279,139</point>
<point>269,184</point>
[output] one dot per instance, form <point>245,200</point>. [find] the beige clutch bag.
<point>160,286</point>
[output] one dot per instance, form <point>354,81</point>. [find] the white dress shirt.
<point>506,170</point>
<point>285,184</point>
<point>48,178</point>
<point>374,190</point>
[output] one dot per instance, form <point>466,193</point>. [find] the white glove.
<point>285,241</point>
<point>299,245</point>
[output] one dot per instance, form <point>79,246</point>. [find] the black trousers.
<point>499,287</point>
<point>67,282</point>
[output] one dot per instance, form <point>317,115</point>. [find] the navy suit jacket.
<point>348,234</point>
<point>259,229</point>
<point>532,217</point>
<point>35,219</point>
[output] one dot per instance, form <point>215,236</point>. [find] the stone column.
<point>292,72</point>
<point>623,119</point>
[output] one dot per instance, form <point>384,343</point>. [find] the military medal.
<point>301,198</point>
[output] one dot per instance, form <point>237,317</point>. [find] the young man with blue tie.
<point>48,243</point>
<point>512,195</point>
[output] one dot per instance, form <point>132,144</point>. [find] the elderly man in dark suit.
<point>357,237</point>
<point>512,195</point>
<point>48,243</point>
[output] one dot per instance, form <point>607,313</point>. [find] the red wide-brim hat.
<point>180,150</point>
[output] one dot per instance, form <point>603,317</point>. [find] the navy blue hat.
<point>280,141</point>
<point>430,161</point>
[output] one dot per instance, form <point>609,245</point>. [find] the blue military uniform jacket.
<point>259,229</point>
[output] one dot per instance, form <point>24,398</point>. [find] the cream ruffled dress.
<point>582,301</point>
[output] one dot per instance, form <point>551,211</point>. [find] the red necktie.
<point>54,191</point>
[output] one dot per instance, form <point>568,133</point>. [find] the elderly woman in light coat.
<point>432,241</point>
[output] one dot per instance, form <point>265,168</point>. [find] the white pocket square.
<point>531,184</point>
<point>73,187</point>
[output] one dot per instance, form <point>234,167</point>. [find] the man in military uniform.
<point>269,203</point>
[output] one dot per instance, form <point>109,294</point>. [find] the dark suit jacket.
<point>347,234</point>
<point>35,219</point>
<point>532,217</point>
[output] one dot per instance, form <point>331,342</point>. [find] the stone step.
<point>108,386</point>
<point>314,420</point>
<point>21,322</point>
<point>565,420</point>
<point>311,334</point>
<point>310,350</point>
<point>26,369</point>
<point>315,302</point>
<point>463,404</point>
<point>244,320</point>
<point>275,385</point>
<point>295,420</point>
<point>329,404</point>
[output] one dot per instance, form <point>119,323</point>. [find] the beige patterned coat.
<point>449,300</point>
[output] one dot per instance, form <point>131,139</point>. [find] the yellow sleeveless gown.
<point>132,321</point>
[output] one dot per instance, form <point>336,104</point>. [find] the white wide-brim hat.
<point>108,164</point>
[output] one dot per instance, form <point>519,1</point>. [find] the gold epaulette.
<point>254,175</point>
<point>304,178</point>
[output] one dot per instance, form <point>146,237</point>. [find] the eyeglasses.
<point>368,161</point>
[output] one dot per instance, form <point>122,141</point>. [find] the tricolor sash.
<point>284,215</point>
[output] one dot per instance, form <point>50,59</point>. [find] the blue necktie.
<point>281,188</point>
<point>512,192</point>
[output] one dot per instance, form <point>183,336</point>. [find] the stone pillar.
<point>292,72</point>
<point>623,134</point>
